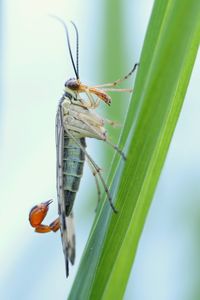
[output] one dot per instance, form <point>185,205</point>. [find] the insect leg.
<point>91,104</point>
<point>117,90</point>
<point>112,123</point>
<point>94,104</point>
<point>116,82</point>
<point>96,167</point>
<point>115,147</point>
<point>94,173</point>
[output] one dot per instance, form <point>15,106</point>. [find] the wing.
<point>66,222</point>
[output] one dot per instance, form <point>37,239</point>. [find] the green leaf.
<point>166,63</point>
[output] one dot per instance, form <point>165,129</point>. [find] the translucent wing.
<point>66,222</point>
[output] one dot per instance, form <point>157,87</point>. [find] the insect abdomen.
<point>73,162</point>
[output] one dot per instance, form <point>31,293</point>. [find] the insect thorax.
<point>78,119</point>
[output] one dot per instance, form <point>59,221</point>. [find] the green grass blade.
<point>166,63</point>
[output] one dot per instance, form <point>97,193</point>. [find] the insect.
<point>76,120</point>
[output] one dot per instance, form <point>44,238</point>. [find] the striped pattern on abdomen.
<point>73,162</point>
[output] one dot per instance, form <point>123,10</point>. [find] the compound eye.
<point>72,84</point>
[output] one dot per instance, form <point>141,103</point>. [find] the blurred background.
<point>34,66</point>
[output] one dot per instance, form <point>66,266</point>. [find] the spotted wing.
<point>67,223</point>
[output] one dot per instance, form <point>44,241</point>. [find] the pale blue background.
<point>35,65</point>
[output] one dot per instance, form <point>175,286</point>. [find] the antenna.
<point>77,48</point>
<point>76,68</point>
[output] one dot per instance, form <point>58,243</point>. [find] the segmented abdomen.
<point>73,162</point>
